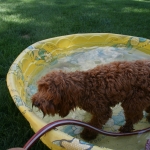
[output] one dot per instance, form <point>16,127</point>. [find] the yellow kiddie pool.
<point>70,53</point>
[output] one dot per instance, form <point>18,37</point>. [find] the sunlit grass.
<point>24,22</point>
<point>145,1</point>
<point>135,10</point>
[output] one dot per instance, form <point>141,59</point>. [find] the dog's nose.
<point>36,104</point>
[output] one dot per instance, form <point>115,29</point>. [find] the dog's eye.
<point>36,104</point>
<point>51,101</point>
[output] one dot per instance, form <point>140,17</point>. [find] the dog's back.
<point>118,81</point>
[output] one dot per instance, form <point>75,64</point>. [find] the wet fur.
<point>96,91</point>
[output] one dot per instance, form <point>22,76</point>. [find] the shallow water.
<point>84,59</point>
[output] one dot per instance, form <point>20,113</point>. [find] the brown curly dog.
<point>96,91</point>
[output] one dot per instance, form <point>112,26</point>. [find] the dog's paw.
<point>126,129</point>
<point>88,135</point>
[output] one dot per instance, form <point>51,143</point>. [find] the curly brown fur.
<point>96,91</point>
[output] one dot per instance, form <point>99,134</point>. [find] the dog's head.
<point>52,96</point>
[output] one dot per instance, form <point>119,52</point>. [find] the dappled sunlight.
<point>3,10</point>
<point>15,18</point>
<point>135,10</point>
<point>147,1</point>
<point>8,14</point>
<point>74,16</point>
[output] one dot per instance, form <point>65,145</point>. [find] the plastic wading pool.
<point>72,52</point>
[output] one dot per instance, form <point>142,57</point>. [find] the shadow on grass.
<point>58,17</point>
<point>27,21</point>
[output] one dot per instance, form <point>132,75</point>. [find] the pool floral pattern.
<point>32,60</point>
<point>74,144</point>
<point>135,41</point>
<point>72,130</point>
<point>18,101</point>
<point>43,55</point>
<point>39,55</point>
<point>17,71</point>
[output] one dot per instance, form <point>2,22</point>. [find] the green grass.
<point>24,22</point>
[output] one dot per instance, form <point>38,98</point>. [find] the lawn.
<point>24,22</point>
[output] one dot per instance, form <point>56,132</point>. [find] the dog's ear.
<point>58,89</point>
<point>65,96</point>
<point>42,84</point>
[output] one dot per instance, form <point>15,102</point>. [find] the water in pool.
<point>84,59</point>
